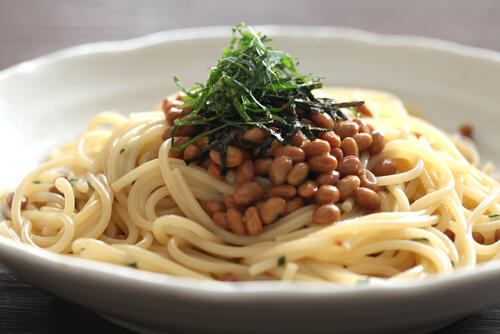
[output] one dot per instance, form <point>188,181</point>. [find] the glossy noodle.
<point>114,195</point>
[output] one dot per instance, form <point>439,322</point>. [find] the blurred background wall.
<point>29,28</point>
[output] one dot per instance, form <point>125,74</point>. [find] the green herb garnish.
<point>132,265</point>
<point>494,215</point>
<point>281,261</point>
<point>363,281</point>
<point>253,85</point>
<point>122,150</point>
<point>133,182</point>
<point>420,239</point>
<point>357,113</point>
<point>36,182</point>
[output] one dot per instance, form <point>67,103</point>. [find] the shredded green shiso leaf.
<point>420,239</point>
<point>253,85</point>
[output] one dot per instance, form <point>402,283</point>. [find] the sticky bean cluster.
<point>325,171</point>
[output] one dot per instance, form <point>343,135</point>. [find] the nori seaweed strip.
<point>308,133</point>
<point>202,154</point>
<point>276,134</point>
<point>226,141</point>
<point>336,114</point>
<point>265,147</point>
<point>289,136</point>
<point>223,158</point>
<point>255,144</point>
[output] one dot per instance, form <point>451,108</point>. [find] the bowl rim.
<point>266,289</point>
<point>316,32</point>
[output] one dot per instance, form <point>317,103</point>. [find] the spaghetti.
<point>122,200</point>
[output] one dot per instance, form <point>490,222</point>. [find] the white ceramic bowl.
<point>48,101</point>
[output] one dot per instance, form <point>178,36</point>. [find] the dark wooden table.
<point>32,28</point>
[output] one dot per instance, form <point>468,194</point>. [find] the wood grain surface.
<point>32,28</point>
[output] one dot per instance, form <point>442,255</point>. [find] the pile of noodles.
<point>120,199</point>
